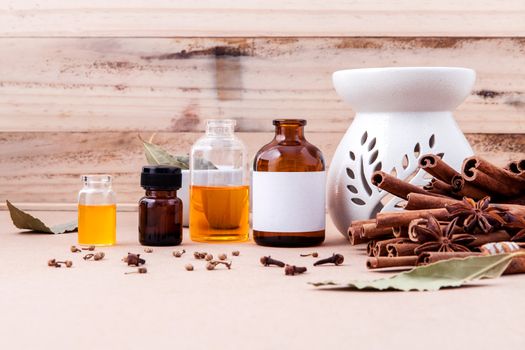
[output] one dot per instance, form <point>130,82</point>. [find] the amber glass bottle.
<point>289,189</point>
<point>160,211</point>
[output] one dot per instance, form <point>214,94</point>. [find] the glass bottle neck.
<point>289,133</point>
<point>220,127</point>
<point>161,193</point>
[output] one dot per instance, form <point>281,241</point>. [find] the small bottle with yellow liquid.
<point>219,191</point>
<point>97,211</point>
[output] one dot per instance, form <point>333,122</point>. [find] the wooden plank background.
<point>80,80</point>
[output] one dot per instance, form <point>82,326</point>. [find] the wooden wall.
<point>78,83</point>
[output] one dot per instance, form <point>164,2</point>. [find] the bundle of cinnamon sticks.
<point>453,216</point>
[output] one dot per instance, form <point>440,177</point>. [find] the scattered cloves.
<point>212,264</point>
<point>291,270</point>
<point>74,249</point>
<point>208,257</point>
<point>267,261</point>
<point>236,253</point>
<point>222,256</point>
<point>148,250</point>
<point>178,253</point>
<point>133,260</point>
<point>188,267</point>
<point>313,254</point>
<point>336,259</point>
<point>139,270</point>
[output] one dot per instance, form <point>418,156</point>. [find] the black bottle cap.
<point>161,177</point>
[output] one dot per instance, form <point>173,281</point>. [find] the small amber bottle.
<point>160,211</point>
<point>288,187</point>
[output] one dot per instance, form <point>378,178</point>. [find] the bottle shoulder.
<point>300,156</point>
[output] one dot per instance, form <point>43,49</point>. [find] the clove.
<point>212,264</point>
<point>314,254</point>
<point>139,270</point>
<point>74,249</point>
<point>133,260</point>
<point>90,248</point>
<point>291,270</point>
<point>222,256</point>
<point>188,267</point>
<point>267,261</point>
<point>236,253</point>
<point>99,256</point>
<point>208,257</point>
<point>88,256</point>
<point>148,250</point>
<point>336,259</point>
<point>55,263</point>
<point>178,254</point>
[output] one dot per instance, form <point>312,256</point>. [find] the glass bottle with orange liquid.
<point>97,211</point>
<point>219,191</point>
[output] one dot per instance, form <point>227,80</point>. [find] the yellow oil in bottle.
<point>219,214</point>
<point>97,224</point>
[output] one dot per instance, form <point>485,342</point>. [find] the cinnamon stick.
<point>401,249</point>
<point>436,167</point>
<point>403,218</point>
<point>426,258</point>
<point>372,231</point>
<point>400,232</point>
<point>484,238</point>
<point>394,185</point>
<point>354,235</point>
<point>370,248</point>
<point>380,246</point>
<point>417,201</point>
<point>513,167</point>
<point>412,234</point>
<point>439,187</point>
<point>492,178</point>
<point>382,262</point>
<point>466,189</point>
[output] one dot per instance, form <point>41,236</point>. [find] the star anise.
<point>477,215</point>
<point>438,239</point>
<point>518,223</point>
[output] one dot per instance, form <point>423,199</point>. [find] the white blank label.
<point>288,201</point>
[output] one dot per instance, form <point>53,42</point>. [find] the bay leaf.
<point>156,155</point>
<point>25,221</point>
<point>442,274</point>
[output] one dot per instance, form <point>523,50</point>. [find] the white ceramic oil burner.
<point>401,114</point>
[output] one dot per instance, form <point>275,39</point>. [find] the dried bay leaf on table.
<point>442,274</point>
<point>25,221</point>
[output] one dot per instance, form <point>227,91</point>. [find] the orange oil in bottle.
<point>97,224</point>
<point>219,214</point>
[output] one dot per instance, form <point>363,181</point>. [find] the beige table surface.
<point>95,306</point>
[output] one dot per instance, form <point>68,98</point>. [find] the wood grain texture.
<point>224,18</point>
<point>101,84</point>
<point>46,167</point>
